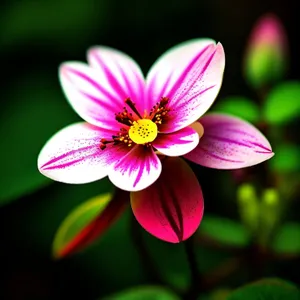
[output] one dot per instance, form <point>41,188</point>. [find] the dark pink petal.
<point>137,170</point>
<point>73,154</point>
<point>229,143</point>
<point>177,143</point>
<point>122,73</point>
<point>172,208</point>
<point>168,68</point>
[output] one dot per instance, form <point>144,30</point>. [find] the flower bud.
<point>248,206</point>
<point>266,53</point>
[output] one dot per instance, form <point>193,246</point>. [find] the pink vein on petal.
<point>261,146</point>
<point>230,141</point>
<point>197,95</point>
<point>91,81</point>
<point>186,71</point>
<point>140,173</point>
<point>111,78</point>
<point>219,157</point>
<point>70,163</point>
<point>197,78</point>
<point>129,85</point>
<point>263,152</point>
<point>65,155</point>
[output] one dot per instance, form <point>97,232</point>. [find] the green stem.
<point>144,255</point>
<point>193,291</point>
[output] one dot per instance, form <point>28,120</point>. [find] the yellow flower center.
<point>143,131</point>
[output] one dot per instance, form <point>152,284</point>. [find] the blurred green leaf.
<point>78,219</point>
<point>144,293</point>
<point>286,158</point>
<point>283,103</point>
<point>30,115</point>
<point>273,288</point>
<point>224,231</point>
<point>67,22</point>
<point>287,239</point>
<point>239,106</point>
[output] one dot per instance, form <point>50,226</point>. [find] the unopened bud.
<point>266,53</point>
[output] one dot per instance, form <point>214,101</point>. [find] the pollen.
<point>143,131</point>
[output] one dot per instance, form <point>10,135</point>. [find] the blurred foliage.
<point>282,103</point>
<point>287,240</point>
<point>61,24</point>
<point>145,292</point>
<point>33,112</point>
<point>79,218</point>
<point>248,205</point>
<point>275,289</point>
<point>287,158</point>
<point>225,231</point>
<point>239,106</point>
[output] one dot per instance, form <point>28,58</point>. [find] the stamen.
<point>159,111</point>
<point>122,137</point>
<point>132,106</point>
<point>124,117</point>
<point>143,130</point>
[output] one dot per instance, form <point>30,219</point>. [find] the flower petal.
<point>197,88</point>
<point>171,209</point>
<point>229,143</point>
<point>95,102</point>
<point>177,143</point>
<point>166,71</point>
<point>122,72</point>
<point>73,154</point>
<point>137,170</point>
<point>99,91</point>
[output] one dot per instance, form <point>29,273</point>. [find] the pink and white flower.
<point>135,124</point>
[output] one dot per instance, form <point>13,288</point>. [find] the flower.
<point>266,56</point>
<point>136,128</point>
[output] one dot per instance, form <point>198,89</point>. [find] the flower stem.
<point>193,291</point>
<point>145,256</point>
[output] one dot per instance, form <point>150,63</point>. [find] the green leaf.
<point>287,239</point>
<point>266,289</point>
<point>145,293</point>
<point>78,219</point>
<point>286,158</point>
<point>283,103</point>
<point>239,106</point>
<point>224,231</point>
<point>67,23</point>
<point>30,115</point>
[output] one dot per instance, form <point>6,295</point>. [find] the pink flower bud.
<point>266,53</point>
